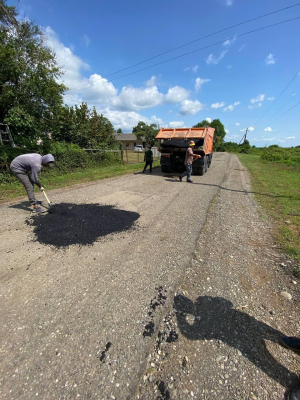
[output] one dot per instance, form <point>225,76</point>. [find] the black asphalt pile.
<point>80,224</point>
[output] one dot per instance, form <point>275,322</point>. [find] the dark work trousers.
<point>28,184</point>
<point>148,162</point>
<point>188,172</point>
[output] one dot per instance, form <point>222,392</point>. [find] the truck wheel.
<point>196,171</point>
<point>166,168</point>
<point>209,161</point>
<point>201,170</point>
<point>206,163</point>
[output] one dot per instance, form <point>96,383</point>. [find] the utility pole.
<point>244,137</point>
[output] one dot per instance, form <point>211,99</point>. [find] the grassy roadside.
<point>53,179</point>
<point>277,189</point>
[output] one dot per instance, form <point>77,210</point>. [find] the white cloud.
<point>155,120</point>
<point>86,40</point>
<point>268,139</point>
<point>211,59</point>
<point>227,131</point>
<point>151,81</point>
<point>268,129</point>
<point>176,94</point>
<point>229,42</point>
<point>271,98</point>
<point>218,105</point>
<point>251,107</point>
<point>237,124</point>
<point>270,59</point>
<point>186,69</point>
<point>250,129</point>
<point>195,68</point>
<point>208,120</point>
<point>176,124</point>
<point>288,138</point>
<point>229,66</point>
<point>123,119</point>
<point>98,89</point>
<point>199,83</point>
<point>242,47</point>
<point>260,97</point>
<point>134,99</point>
<point>231,106</point>
<point>232,137</point>
<point>189,107</point>
<point>229,2</point>
<point>71,64</point>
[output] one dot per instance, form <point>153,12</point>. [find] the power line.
<point>284,113</point>
<point>194,51</point>
<point>193,41</point>
<point>284,106</point>
<point>284,90</point>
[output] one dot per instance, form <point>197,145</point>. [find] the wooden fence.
<point>130,156</point>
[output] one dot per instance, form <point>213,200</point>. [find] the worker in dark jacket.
<point>189,158</point>
<point>27,168</point>
<point>148,158</point>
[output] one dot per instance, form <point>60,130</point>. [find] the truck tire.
<point>206,163</point>
<point>209,161</point>
<point>196,171</point>
<point>201,170</point>
<point>166,168</point>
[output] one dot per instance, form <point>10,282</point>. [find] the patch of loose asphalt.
<point>84,290</point>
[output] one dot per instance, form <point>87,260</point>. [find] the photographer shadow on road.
<point>215,318</point>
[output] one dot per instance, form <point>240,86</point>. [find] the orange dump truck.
<point>174,142</point>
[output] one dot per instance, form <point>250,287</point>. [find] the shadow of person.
<point>25,205</point>
<point>215,318</point>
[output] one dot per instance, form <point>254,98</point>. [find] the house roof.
<point>125,137</point>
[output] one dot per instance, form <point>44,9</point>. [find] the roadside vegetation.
<point>276,182</point>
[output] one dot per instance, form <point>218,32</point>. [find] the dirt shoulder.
<point>238,297</point>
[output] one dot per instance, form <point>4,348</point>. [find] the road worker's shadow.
<point>215,318</point>
<point>80,224</point>
<point>22,206</point>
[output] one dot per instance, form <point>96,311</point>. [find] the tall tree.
<point>30,96</point>
<point>119,130</point>
<point>146,132</point>
<point>8,14</point>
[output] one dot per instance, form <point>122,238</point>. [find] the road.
<point>84,289</point>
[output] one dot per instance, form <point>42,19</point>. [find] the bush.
<point>68,157</point>
<point>286,156</point>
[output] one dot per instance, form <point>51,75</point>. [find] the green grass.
<point>53,179</point>
<point>277,189</point>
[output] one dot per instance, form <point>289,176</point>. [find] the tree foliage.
<point>146,132</point>
<point>7,14</point>
<point>30,96</point>
<point>84,127</point>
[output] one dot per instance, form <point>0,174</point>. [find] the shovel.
<point>48,201</point>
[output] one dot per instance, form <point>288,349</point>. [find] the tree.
<point>85,127</point>
<point>119,130</point>
<point>7,14</point>
<point>146,132</point>
<point>30,95</point>
<point>219,131</point>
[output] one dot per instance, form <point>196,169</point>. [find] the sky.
<point>104,49</point>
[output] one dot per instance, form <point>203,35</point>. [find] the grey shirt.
<point>27,163</point>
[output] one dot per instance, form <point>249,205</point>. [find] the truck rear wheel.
<point>206,163</point>
<point>209,161</point>
<point>166,168</point>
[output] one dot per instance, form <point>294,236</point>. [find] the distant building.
<point>128,140</point>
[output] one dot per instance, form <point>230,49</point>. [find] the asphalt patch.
<point>80,224</point>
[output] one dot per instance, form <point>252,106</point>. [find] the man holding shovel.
<point>26,168</point>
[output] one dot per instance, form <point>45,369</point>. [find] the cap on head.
<point>48,158</point>
<point>192,143</point>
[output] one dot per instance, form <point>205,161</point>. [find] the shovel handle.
<point>47,198</point>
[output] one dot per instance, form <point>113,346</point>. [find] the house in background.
<point>128,140</point>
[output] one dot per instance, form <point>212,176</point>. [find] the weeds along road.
<point>83,289</point>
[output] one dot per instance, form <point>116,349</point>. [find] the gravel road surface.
<point>238,298</point>
<point>85,288</point>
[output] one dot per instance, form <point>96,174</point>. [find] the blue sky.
<point>237,80</point>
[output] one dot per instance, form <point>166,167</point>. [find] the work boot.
<point>291,343</point>
<point>190,181</point>
<point>38,210</point>
<point>180,178</point>
<point>295,394</point>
